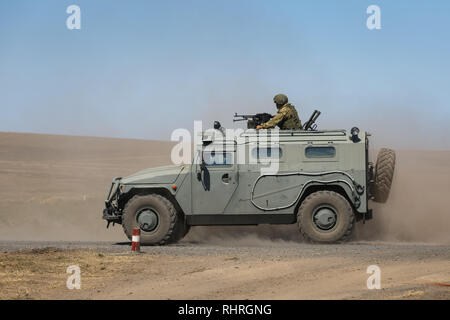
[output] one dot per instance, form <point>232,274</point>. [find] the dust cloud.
<point>54,188</point>
<point>417,208</point>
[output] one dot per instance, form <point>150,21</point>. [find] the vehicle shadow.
<point>126,243</point>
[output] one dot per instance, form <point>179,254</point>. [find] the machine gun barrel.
<point>243,117</point>
<point>253,120</point>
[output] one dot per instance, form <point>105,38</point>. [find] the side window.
<point>266,153</point>
<point>320,152</point>
<point>217,159</point>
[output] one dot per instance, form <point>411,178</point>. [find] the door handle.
<point>226,178</point>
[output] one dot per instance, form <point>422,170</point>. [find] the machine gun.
<point>310,124</point>
<point>253,120</point>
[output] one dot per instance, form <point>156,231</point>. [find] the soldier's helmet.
<point>280,99</point>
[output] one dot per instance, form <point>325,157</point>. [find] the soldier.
<point>286,117</point>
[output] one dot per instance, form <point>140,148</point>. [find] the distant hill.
<point>55,185</point>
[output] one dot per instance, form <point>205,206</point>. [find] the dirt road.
<point>249,270</point>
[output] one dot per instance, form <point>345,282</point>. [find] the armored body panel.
<point>258,177</point>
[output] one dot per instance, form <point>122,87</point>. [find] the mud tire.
<point>345,217</point>
<point>170,223</point>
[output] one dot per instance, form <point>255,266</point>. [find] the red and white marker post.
<point>136,241</point>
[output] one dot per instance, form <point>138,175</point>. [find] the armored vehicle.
<point>322,181</point>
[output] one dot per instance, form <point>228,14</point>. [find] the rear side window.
<point>217,159</point>
<point>267,153</point>
<point>320,152</point>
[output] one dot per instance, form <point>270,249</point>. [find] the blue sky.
<point>140,69</point>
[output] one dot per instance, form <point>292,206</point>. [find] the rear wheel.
<point>156,217</point>
<point>384,173</point>
<point>326,217</point>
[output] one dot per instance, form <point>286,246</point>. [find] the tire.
<point>325,203</point>
<point>181,230</point>
<point>168,225</point>
<point>384,173</point>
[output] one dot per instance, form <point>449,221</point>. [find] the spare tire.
<point>384,173</point>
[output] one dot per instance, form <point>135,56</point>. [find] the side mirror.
<point>217,125</point>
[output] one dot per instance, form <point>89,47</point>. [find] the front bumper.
<point>111,212</point>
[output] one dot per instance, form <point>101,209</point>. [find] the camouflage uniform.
<point>286,118</point>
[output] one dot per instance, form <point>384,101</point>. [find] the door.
<point>214,182</point>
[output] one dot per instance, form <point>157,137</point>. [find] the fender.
<point>347,180</point>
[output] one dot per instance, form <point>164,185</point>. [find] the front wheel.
<point>326,217</point>
<point>157,218</point>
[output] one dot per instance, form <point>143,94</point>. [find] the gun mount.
<point>311,123</point>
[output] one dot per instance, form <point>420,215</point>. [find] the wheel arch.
<point>331,187</point>
<point>160,190</point>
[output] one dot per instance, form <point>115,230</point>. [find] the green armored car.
<point>321,180</point>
